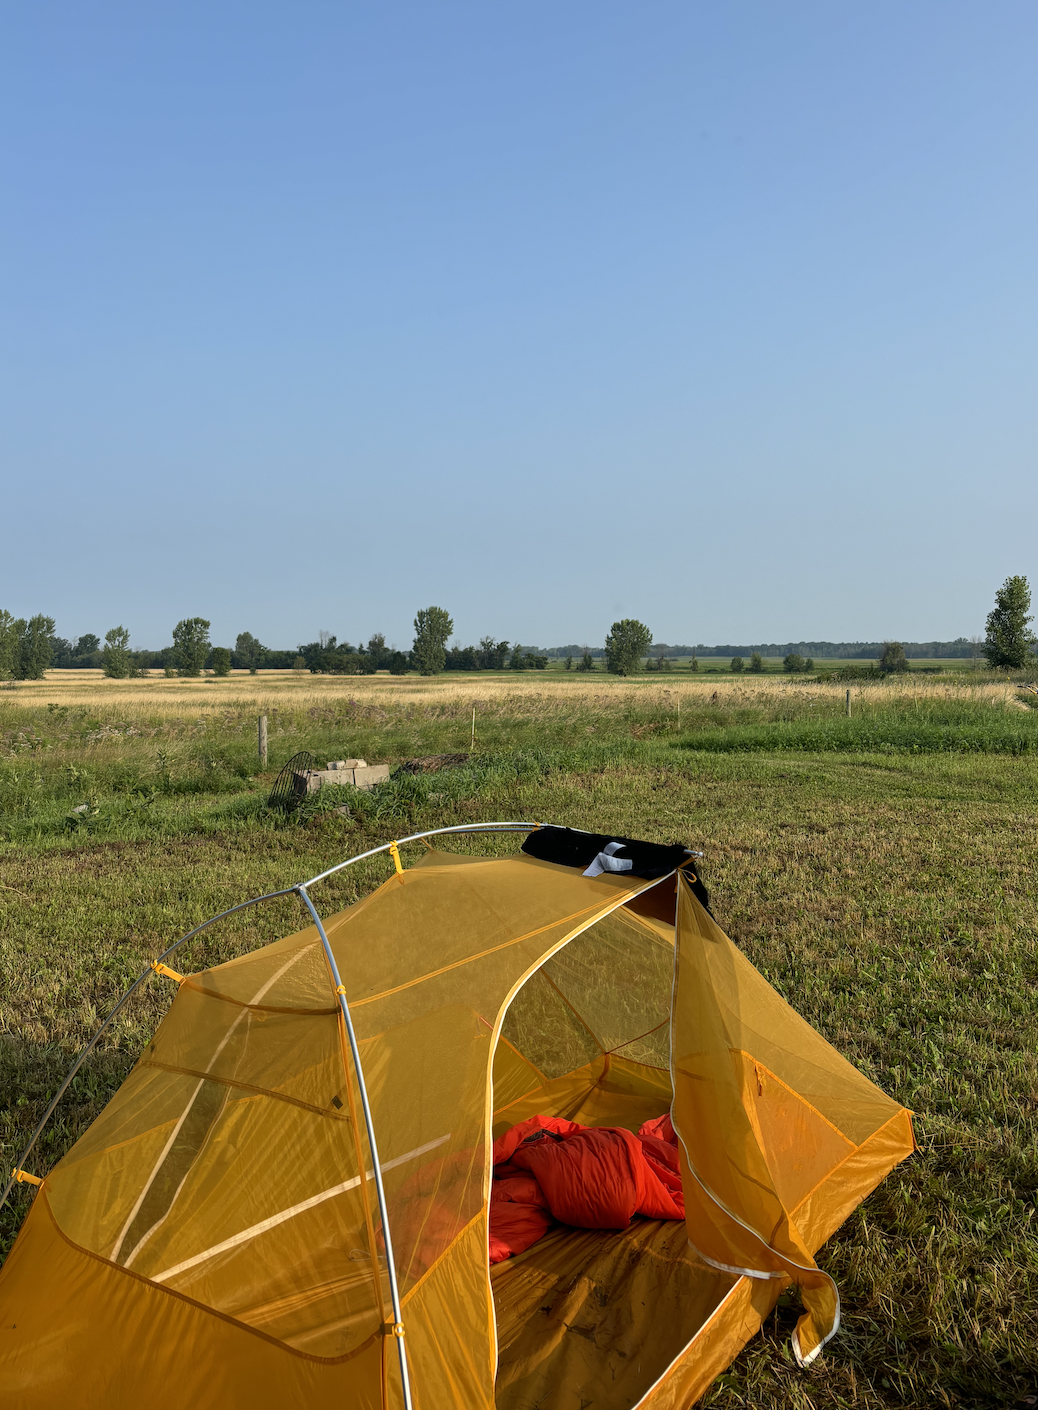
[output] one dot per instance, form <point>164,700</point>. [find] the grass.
<point>887,894</point>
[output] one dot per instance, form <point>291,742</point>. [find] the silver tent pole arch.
<point>376,1164</point>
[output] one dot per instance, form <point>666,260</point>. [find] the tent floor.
<point>588,1320</point>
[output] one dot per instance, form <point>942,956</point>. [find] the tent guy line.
<point>261,1228</point>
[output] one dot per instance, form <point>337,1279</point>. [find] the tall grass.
<point>898,727</point>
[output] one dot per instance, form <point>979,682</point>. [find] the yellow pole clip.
<point>394,852</point>
<point>398,1329</point>
<point>165,970</point>
<point>24,1178</point>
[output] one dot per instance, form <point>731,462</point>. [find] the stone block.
<point>364,777</point>
<point>370,774</point>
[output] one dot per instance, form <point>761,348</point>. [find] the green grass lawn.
<point>889,896</point>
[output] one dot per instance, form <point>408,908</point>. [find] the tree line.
<point>30,646</point>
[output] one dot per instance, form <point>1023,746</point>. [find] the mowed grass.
<point>889,897</point>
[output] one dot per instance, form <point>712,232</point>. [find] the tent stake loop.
<point>376,1165</point>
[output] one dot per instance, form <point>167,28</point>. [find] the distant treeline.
<point>29,647</point>
<point>820,650</point>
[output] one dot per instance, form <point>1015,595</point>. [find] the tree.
<point>809,664</point>
<point>737,664</point>
<point>893,661</point>
<point>1009,640</point>
<point>793,663</point>
<point>221,660</point>
<point>756,663</point>
<point>249,652</point>
<point>10,647</point>
<point>492,654</point>
<point>378,653</point>
<point>398,663</point>
<point>568,664</point>
<point>586,662</point>
<point>432,631</point>
<point>37,647</point>
<point>518,660</point>
<point>191,645</point>
<point>118,663</point>
<point>626,644</point>
<point>328,656</point>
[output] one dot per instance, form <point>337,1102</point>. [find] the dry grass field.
<point>879,871</point>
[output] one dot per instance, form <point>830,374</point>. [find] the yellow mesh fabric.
<point>227,1186</point>
<point>735,1045</point>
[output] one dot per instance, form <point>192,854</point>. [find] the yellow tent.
<point>218,1237</point>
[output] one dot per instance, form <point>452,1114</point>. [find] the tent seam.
<point>244,1087</point>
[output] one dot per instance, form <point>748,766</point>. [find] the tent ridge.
<point>189,982</point>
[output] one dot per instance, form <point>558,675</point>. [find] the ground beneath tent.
<point>588,1320</point>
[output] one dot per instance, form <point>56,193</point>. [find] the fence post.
<point>263,736</point>
<point>848,704</point>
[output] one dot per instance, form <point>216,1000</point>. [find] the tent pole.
<point>417,836</point>
<point>394,1291</point>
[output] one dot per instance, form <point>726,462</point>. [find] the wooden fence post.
<point>848,704</point>
<point>263,737</point>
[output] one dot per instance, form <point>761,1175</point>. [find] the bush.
<point>757,663</point>
<point>794,663</point>
<point>220,660</point>
<point>737,664</point>
<point>893,659</point>
<point>853,673</point>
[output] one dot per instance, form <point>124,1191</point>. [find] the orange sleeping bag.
<point>591,1177</point>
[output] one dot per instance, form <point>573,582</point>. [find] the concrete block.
<point>348,764</point>
<point>370,774</point>
<point>332,776</point>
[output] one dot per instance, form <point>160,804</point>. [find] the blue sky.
<point>719,316</point>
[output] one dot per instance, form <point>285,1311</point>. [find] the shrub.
<point>794,663</point>
<point>893,659</point>
<point>757,663</point>
<point>737,664</point>
<point>221,661</point>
